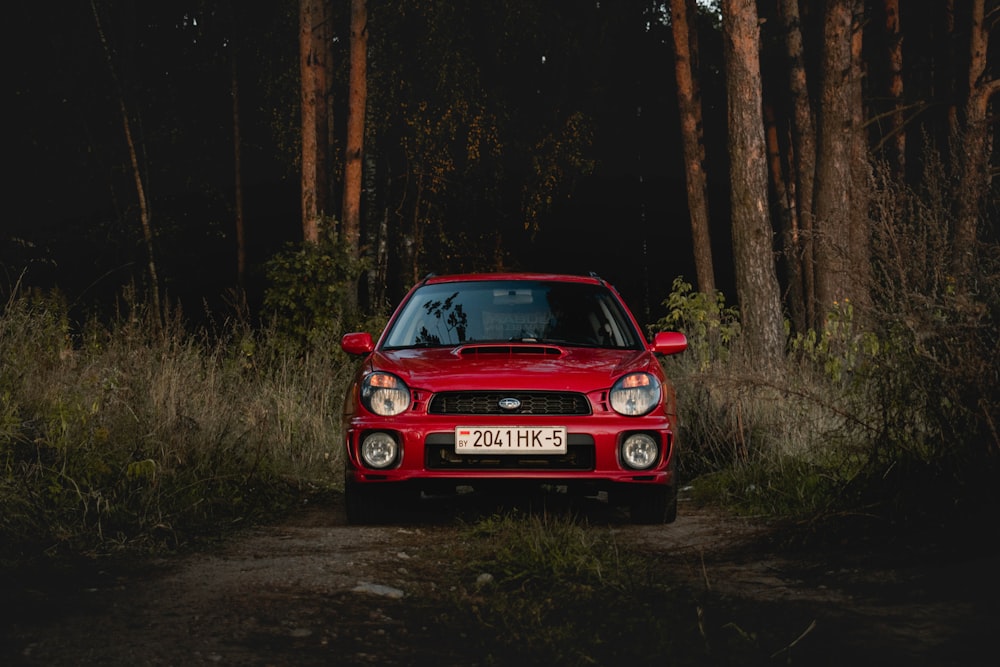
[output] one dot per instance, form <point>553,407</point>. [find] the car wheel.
<point>363,505</point>
<point>654,505</point>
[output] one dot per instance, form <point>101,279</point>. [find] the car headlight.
<point>635,394</point>
<point>379,450</point>
<point>385,394</point>
<point>640,451</point>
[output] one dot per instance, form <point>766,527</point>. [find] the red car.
<point>491,380</point>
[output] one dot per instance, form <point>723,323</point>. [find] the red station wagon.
<point>493,380</point>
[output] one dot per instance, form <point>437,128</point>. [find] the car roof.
<point>432,279</point>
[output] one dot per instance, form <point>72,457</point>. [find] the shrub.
<point>312,292</point>
<point>710,325</point>
<point>731,417</point>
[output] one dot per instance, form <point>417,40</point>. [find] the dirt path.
<point>315,591</point>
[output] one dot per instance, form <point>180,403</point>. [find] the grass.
<point>141,437</point>
<point>550,589</point>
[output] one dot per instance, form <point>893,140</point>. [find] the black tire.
<point>654,505</point>
<point>363,505</point>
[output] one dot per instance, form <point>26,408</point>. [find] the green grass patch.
<point>550,589</point>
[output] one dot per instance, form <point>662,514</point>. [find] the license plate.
<point>510,440</point>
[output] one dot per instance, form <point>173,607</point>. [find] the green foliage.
<point>841,348</point>
<point>312,292</point>
<point>779,486</point>
<point>545,550</point>
<point>711,327</point>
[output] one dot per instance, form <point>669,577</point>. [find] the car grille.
<point>488,403</point>
<point>439,453</point>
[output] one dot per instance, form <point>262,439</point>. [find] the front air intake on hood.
<point>510,350</point>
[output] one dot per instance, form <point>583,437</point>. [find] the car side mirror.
<point>357,343</point>
<point>669,342</point>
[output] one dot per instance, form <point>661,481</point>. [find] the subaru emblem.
<point>509,403</point>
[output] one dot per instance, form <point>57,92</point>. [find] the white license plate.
<point>510,440</point>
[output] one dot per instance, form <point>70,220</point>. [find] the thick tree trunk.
<point>314,61</point>
<point>682,12</point>
<point>356,101</point>
<point>357,98</point>
<point>833,172</point>
<point>860,183</point>
<point>974,139</point>
<point>753,245</point>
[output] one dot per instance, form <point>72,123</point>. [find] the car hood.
<point>521,366</point>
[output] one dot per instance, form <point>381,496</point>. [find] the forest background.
<point>805,189</point>
<point>521,135</point>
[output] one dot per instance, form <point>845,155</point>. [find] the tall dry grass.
<point>140,435</point>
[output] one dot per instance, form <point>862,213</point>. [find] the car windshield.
<point>563,313</point>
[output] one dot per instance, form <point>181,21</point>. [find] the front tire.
<point>364,505</point>
<point>654,505</point>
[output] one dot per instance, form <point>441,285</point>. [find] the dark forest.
<point>511,134</point>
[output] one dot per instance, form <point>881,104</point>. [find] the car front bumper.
<point>427,453</point>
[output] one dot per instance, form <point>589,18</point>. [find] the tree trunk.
<point>689,101</point>
<point>379,272</point>
<point>753,248</point>
<point>784,194</point>
<point>314,61</point>
<point>356,101</point>
<point>973,156</point>
<point>144,214</point>
<point>894,57</point>
<point>833,171</point>
<point>804,157</point>
<point>860,184</point>
<point>416,245</point>
<point>945,84</point>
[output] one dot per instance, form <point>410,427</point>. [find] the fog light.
<point>640,451</point>
<point>379,450</point>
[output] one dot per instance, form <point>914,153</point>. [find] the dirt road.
<point>314,591</point>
